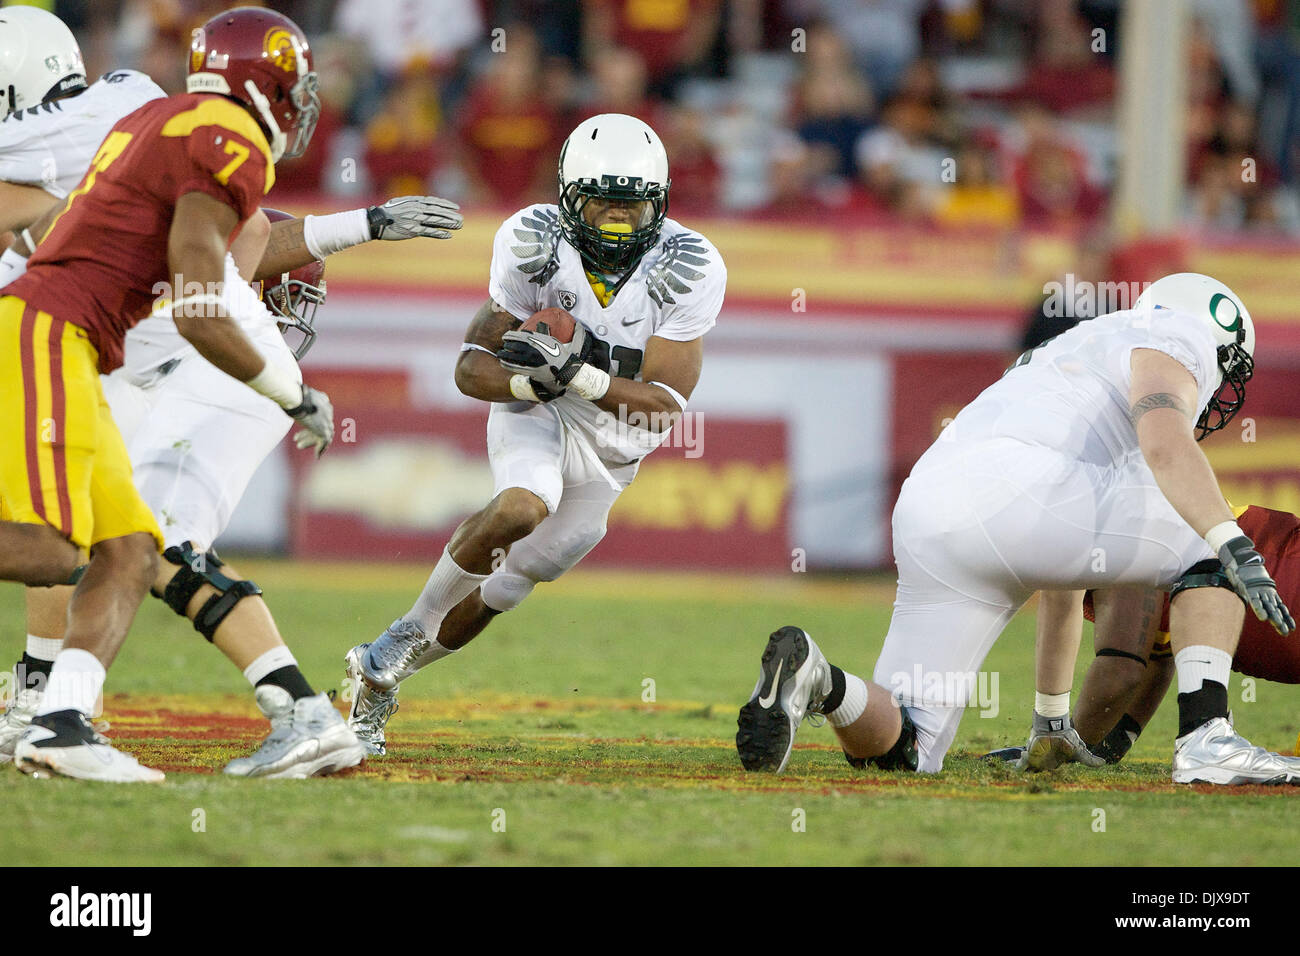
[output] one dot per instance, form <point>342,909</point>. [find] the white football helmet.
<point>1226,316</point>
<point>616,158</point>
<point>39,58</point>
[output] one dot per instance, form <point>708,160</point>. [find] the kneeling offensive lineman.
<point>561,434</point>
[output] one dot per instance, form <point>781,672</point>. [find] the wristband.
<point>189,306</point>
<point>590,383</point>
<point>12,265</point>
<point>1222,533</point>
<point>277,385</point>
<point>326,235</point>
<point>522,388</point>
<point>677,396</point>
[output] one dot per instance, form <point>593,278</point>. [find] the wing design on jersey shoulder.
<point>17,115</point>
<point>671,271</point>
<point>540,239</point>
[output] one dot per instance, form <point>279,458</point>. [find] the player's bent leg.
<point>1205,621</point>
<point>60,740</point>
<point>796,681</point>
<point>308,736</point>
<point>47,611</point>
<point>104,602</point>
<point>478,546</point>
<point>37,555</point>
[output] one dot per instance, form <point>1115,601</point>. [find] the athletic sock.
<point>1119,741</point>
<point>836,696</point>
<point>76,682</point>
<point>33,672</point>
<point>1201,706</point>
<point>277,657</point>
<point>436,652</point>
<point>852,703</point>
<point>44,648</point>
<point>291,679</point>
<point>1052,705</point>
<point>1201,663</point>
<point>448,585</point>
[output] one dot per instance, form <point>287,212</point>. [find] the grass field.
<point>538,745</point>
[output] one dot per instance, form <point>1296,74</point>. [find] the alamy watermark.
<point>1083,299</point>
<point>629,427</point>
<point>952,688</point>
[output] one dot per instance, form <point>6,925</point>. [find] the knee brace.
<point>505,590</point>
<point>187,581</point>
<point>901,756</point>
<point>1203,574</point>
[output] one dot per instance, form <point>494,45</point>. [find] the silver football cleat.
<point>1215,753</point>
<point>308,738</point>
<point>794,678</point>
<point>64,744</point>
<point>16,719</point>
<point>1053,741</point>
<point>393,655</point>
<point>370,709</point>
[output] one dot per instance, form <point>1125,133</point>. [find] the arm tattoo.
<point>1156,400</point>
<point>489,324</point>
<point>286,236</point>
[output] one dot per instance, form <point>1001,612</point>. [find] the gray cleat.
<point>794,678</point>
<point>370,709</point>
<point>1215,753</point>
<point>308,738</point>
<point>1053,741</point>
<point>16,719</point>
<point>394,654</point>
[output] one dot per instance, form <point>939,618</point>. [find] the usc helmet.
<point>615,158</point>
<point>1219,308</point>
<point>262,60</point>
<point>295,298</point>
<point>39,58</point>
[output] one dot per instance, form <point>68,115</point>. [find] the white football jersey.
<point>154,345</point>
<point>51,145</point>
<point>1071,393</point>
<point>675,293</point>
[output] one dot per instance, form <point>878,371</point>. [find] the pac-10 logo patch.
<point>568,300</point>
<point>281,49</point>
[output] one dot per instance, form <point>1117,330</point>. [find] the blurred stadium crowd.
<point>989,113</point>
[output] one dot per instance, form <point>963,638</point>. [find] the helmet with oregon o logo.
<point>613,158</point>
<point>1234,333</point>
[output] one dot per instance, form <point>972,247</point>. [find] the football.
<point>553,322</point>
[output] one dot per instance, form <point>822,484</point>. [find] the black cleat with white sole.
<point>794,679</point>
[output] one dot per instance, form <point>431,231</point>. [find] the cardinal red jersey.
<point>101,263</point>
<point>1263,652</point>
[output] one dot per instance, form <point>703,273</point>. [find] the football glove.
<point>545,359</point>
<point>409,217</point>
<point>1245,569</point>
<point>316,414</point>
<point>1054,741</point>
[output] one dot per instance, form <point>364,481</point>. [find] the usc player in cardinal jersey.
<point>168,190</point>
<point>1134,664</point>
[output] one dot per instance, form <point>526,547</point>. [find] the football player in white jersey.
<point>195,436</point>
<point>570,422</point>
<point>53,120</point>
<point>1078,469</point>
